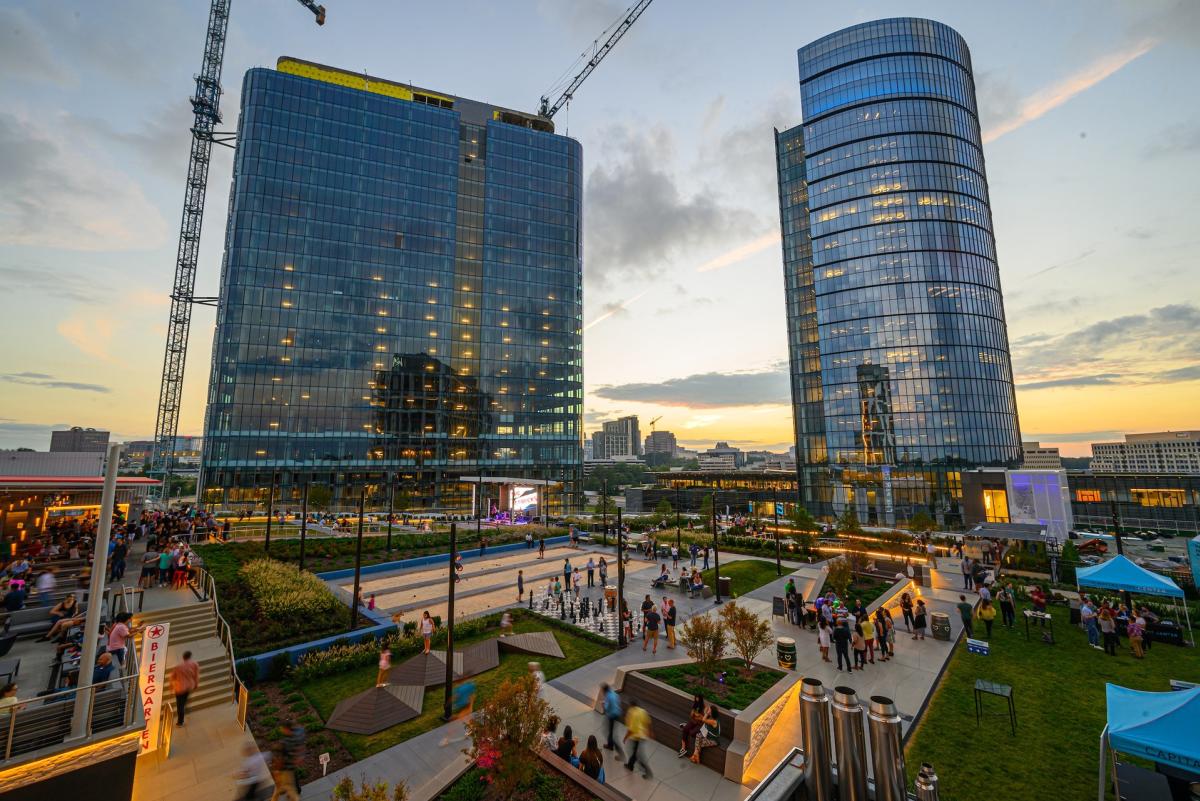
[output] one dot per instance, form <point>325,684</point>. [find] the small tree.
<point>664,508</point>
<point>802,520</point>
<point>704,640</point>
<point>857,557</point>
<point>346,791</point>
<point>706,509</point>
<point>848,523</point>
<point>840,576</point>
<point>749,632</point>
<point>319,496</point>
<point>505,729</point>
<point>921,523</point>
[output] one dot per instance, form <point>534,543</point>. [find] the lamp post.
<point>479,508</point>
<point>270,512</point>
<point>775,511</point>
<point>604,511</point>
<point>303,523</point>
<point>1116,519</point>
<point>391,507</point>
<point>678,534</point>
<point>621,643</point>
<point>446,707</point>
<point>362,502</point>
<point>716,555</point>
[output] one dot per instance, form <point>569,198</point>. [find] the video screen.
<point>523,500</point>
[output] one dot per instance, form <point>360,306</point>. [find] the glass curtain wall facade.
<point>899,350</point>
<point>401,297</point>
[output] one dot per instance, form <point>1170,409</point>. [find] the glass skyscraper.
<point>898,346</point>
<point>401,296</point>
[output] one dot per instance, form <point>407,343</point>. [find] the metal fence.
<point>208,591</point>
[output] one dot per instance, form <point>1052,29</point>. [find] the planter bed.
<point>739,691</point>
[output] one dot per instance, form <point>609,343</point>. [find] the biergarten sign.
<point>150,682</point>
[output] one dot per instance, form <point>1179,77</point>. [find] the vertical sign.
<point>150,681</point>
<point>1193,549</point>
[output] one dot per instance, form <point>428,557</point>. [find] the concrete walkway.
<point>205,755</point>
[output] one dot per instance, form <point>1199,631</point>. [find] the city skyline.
<point>99,132</point>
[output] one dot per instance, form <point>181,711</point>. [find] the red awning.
<point>72,482</point>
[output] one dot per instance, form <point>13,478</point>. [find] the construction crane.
<point>652,422</point>
<point>592,59</point>
<point>206,106</point>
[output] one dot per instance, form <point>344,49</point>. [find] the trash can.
<point>785,652</point>
<point>724,583</point>
<point>940,625</point>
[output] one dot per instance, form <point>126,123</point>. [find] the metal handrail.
<point>209,590</point>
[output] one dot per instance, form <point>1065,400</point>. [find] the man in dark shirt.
<point>841,642</point>
<point>651,634</point>
<point>672,617</point>
<point>966,611</point>
<point>14,599</point>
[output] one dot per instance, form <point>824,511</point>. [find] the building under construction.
<point>401,296</point>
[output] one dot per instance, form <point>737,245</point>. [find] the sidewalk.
<point>205,754</point>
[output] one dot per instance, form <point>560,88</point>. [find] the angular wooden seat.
<point>377,709</point>
<point>541,643</point>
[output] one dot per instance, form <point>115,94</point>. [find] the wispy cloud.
<point>740,252</point>
<point>1075,381</point>
<point>1051,97</point>
<point>45,381</point>
<point>612,309</point>
<point>90,334</point>
<point>708,390</point>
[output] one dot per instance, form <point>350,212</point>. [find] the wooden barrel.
<point>610,597</point>
<point>785,652</point>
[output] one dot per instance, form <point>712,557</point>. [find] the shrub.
<point>504,731</point>
<point>704,641</point>
<point>840,575</point>
<point>281,590</point>
<point>749,632</point>
<point>346,791</point>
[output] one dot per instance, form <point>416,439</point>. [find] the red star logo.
<point>155,631</point>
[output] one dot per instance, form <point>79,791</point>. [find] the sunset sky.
<point>1092,130</point>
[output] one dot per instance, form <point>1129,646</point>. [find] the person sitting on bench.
<point>662,579</point>
<point>697,582</point>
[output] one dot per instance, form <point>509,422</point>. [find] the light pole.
<point>270,512</point>
<point>678,534</point>
<point>303,523</point>
<point>391,507</point>
<point>621,643</point>
<point>1116,519</point>
<point>604,511</point>
<point>362,502</point>
<point>447,710</point>
<point>479,508</point>
<point>716,555</point>
<point>775,510</point>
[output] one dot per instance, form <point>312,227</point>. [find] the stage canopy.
<point>1157,726</point>
<point>1120,574</point>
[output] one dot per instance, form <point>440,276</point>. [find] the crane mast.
<point>206,107</point>
<point>599,51</point>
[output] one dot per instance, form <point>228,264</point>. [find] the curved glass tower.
<point>899,350</point>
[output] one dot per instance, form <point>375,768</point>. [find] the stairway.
<point>194,628</point>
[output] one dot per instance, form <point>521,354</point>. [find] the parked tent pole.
<point>1103,756</point>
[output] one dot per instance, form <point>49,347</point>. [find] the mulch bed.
<point>264,716</point>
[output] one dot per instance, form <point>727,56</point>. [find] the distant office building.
<point>1036,457</point>
<point>661,442</point>
<point>588,452</point>
<point>79,440</point>
<point>1144,501</point>
<point>618,437</point>
<point>613,461</point>
<point>723,450</point>
<point>1161,452</point>
<point>719,462</point>
<point>400,296</point>
<point>898,346</point>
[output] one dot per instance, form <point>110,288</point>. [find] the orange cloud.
<point>1053,96</point>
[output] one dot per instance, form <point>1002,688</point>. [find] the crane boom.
<point>206,107</point>
<point>599,51</point>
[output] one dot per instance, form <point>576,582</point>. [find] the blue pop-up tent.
<point>1158,726</point>
<point>1123,575</point>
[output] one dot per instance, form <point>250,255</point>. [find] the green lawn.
<point>747,575</point>
<point>325,693</point>
<point>1059,695</point>
<point>739,691</point>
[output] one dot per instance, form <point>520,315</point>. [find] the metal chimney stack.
<point>926,784</point>
<point>814,711</point>
<point>850,744</point>
<point>887,755</point>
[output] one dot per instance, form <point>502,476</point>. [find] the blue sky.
<point>1093,143</point>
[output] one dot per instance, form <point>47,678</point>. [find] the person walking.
<point>694,550</point>
<point>1136,629</point>
<point>427,627</point>
<point>637,730</point>
<point>567,572</point>
<point>651,620</point>
<point>965,612</point>
<point>1008,608</point>
<point>285,758</point>
<point>612,713</point>
<point>252,771</point>
<point>185,678</point>
<point>520,585</point>
<point>966,571</point>
<point>841,642</point>
<point>920,620</point>
<point>675,558</point>
<point>671,617</point>
<point>705,555</point>
<point>987,613</point>
<point>541,547</point>
<point>385,667</point>
<point>591,571</point>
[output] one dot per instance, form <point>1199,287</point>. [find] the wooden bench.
<point>604,792</point>
<point>669,709</point>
